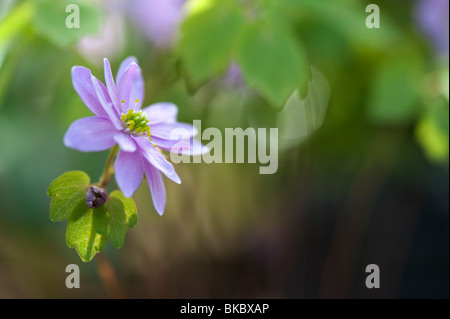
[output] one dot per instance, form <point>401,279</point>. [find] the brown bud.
<point>96,197</point>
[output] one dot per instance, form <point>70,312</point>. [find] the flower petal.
<point>125,141</point>
<point>128,171</point>
<point>107,106</point>
<point>167,145</point>
<point>90,134</point>
<point>173,131</point>
<point>162,112</point>
<point>137,87</point>
<point>124,65</point>
<point>190,146</point>
<point>112,88</point>
<point>125,88</point>
<point>197,148</point>
<point>137,90</point>
<point>158,20</point>
<point>82,83</point>
<point>155,158</point>
<point>156,185</point>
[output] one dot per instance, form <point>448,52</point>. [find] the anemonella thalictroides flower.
<point>119,120</point>
<point>158,20</point>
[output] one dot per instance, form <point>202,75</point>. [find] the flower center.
<point>136,123</point>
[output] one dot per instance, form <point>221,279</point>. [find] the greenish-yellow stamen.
<point>136,123</point>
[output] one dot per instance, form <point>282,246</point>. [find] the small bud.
<point>96,197</point>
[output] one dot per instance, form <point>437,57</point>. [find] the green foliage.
<point>260,36</point>
<point>347,18</point>
<point>50,20</point>
<point>67,191</point>
<point>272,61</point>
<point>394,96</point>
<point>114,218</point>
<point>81,233</point>
<point>15,21</point>
<point>88,229</point>
<point>443,80</point>
<point>432,131</point>
<point>208,41</point>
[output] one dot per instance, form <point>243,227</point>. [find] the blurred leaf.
<point>208,39</point>
<point>50,20</point>
<point>115,217</point>
<point>440,113</point>
<point>347,18</point>
<point>394,93</point>
<point>444,82</point>
<point>432,132</point>
<point>67,191</point>
<point>81,233</point>
<point>15,21</point>
<point>272,61</point>
<point>301,117</point>
<point>196,6</point>
<point>129,208</point>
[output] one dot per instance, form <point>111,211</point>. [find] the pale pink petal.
<point>125,89</point>
<point>128,171</point>
<point>173,131</point>
<point>125,141</point>
<point>156,185</point>
<point>190,146</point>
<point>112,89</point>
<point>90,134</point>
<point>162,112</point>
<point>155,158</point>
<point>107,106</point>
<point>82,83</point>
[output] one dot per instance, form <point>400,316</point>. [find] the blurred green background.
<point>362,179</point>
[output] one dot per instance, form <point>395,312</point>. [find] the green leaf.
<point>208,39</point>
<point>272,61</point>
<point>433,140</point>
<point>50,20</point>
<point>432,131</point>
<point>347,18</point>
<point>89,229</point>
<point>129,208</point>
<point>101,219</point>
<point>81,233</point>
<point>394,94</point>
<point>114,218</point>
<point>67,191</point>
<point>15,21</point>
<point>444,82</point>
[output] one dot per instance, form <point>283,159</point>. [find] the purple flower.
<point>158,20</point>
<point>432,16</point>
<point>109,41</point>
<point>233,76</point>
<point>119,120</point>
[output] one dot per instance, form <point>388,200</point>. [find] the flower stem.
<point>108,277</point>
<point>108,170</point>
